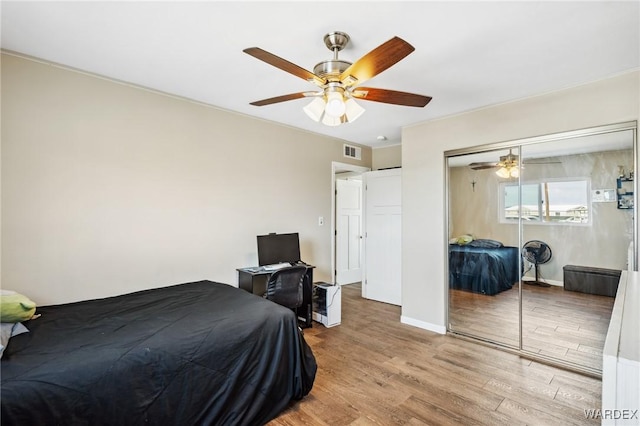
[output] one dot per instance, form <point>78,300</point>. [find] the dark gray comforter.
<point>189,354</point>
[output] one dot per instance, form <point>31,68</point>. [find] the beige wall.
<point>424,236</point>
<point>108,188</point>
<point>387,157</point>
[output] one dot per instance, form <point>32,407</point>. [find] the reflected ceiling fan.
<point>505,161</point>
<point>338,80</point>
<point>508,165</point>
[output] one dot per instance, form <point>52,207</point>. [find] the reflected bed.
<point>483,270</point>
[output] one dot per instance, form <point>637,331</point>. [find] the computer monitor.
<point>278,248</point>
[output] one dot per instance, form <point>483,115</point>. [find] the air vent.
<point>352,152</point>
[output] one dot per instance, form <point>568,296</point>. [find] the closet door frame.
<point>517,146</point>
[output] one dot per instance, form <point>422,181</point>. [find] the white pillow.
<point>7,331</point>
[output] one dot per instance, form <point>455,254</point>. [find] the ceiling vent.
<point>351,151</point>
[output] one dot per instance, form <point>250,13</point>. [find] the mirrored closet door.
<point>484,255</point>
<point>539,230</point>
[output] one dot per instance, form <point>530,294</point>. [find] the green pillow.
<point>465,239</point>
<point>16,308</point>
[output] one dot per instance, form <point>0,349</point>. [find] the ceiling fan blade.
<point>390,96</point>
<point>284,65</point>
<point>284,98</point>
<point>482,166</point>
<point>376,61</point>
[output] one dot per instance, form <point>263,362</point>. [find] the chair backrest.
<point>285,286</point>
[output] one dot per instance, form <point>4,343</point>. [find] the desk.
<point>254,280</point>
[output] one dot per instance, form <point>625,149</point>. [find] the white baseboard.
<point>550,282</point>
<point>424,325</point>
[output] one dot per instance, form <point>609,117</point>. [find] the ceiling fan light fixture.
<point>503,173</point>
<point>335,105</point>
<point>506,172</point>
<point>315,109</point>
<point>508,166</point>
<point>328,120</point>
<point>353,110</point>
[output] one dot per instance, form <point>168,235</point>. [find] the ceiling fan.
<point>507,162</point>
<point>338,80</point>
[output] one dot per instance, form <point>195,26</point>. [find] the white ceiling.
<point>468,54</point>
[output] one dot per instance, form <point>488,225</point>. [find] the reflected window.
<point>547,202</point>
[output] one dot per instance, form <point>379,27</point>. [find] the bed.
<point>189,354</point>
<point>485,270</point>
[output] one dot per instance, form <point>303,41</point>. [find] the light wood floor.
<point>373,370</point>
<point>565,325</point>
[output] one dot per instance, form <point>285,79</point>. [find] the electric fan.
<point>536,252</point>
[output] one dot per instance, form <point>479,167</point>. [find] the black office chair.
<point>285,286</point>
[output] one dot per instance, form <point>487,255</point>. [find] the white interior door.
<point>348,230</point>
<point>383,226</point>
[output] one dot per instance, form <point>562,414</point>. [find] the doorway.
<point>346,222</point>
<point>348,229</point>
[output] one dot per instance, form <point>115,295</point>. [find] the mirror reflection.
<point>575,243</point>
<point>484,254</point>
<point>539,234</point>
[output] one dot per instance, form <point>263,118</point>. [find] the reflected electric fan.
<point>536,252</point>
